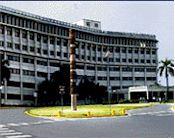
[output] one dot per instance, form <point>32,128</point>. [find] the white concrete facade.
<point>36,46</point>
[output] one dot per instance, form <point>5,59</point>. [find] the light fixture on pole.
<point>109,89</point>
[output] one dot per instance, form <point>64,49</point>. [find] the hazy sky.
<point>137,17</point>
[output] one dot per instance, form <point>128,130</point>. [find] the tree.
<point>166,67</point>
<point>5,73</point>
<point>88,90</point>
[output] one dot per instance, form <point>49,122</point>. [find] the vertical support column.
<point>61,49</point>
<point>5,37</point>
<point>48,46</point>
<point>21,72</point>
<point>41,45</point>
<point>79,50</point>
<point>102,54</point>
<point>28,41</point>
<point>96,77</point>
<point>72,70</point>
<point>5,84</point>
<point>13,38</point>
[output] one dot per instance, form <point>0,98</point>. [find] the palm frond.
<point>171,71</point>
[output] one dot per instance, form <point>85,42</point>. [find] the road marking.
<point>7,131</point>
<point>151,113</point>
<point>20,136</point>
<point>2,125</point>
<point>12,124</point>
<point>168,114</point>
<point>3,128</point>
<point>13,133</point>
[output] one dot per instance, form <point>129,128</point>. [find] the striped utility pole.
<point>72,70</point>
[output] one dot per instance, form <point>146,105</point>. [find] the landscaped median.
<point>85,111</point>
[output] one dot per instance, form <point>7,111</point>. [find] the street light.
<point>109,89</point>
<point>62,92</point>
<point>35,95</point>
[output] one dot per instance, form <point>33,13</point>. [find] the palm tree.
<point>167,67</point>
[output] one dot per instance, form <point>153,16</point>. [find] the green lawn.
<point>85,110</point>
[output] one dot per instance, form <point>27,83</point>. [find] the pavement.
<point>151,122</point>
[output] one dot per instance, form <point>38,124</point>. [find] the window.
<point>54,64</point>
<point>126,69</point>
<point>99,48</point>
<point>45,52</point>
<point>2,43</point>
<point>1,30</point>
<point>88,24</point>
<point>28,60</point>
<point>96,25</point>
<point>147,51</point>
<point>28,73</point>
<point>42,74</point>
<point>17,33</point>
<point>38,37</point>
<point>51,40</point>
<point>136,60</point>
<point>154,61</point>
<point>9,31</point>
<point>99,59</point>
<point>153,52</point>
<point>24,47</point>
<point>29,85</point>
<point>117,59</point>
<point>58,53</point>
<point>9,45</point>
<point>151,69</point>
<point>115,78</point>
<point>142,61</point>
<point>139,70</point>
<point>129,50</point>
<point>123,60</point>
<point>123,50</point>
<point>32,49</point>
<point>13,58</point>
<point>13,83</point>
<point>17,46</point>
<point>139,78</point>
<point>45,39</point>
<point>24,34</point>
<point>52,53</point>
<point>102,78</point>
<point>43,63</point>
<point>39,50</point>
<point>142,51</point>
<point>130,60</point>
<point>31,36</point>
<point>127,78</point>
<point>58,41</point>
<point>148,61</point>
<point>136,51</point>
<point>15,71</point>
<point>65,54</point>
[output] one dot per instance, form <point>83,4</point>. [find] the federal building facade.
<point>36,46</point>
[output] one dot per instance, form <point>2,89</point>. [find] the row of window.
<point>128,78</point>
<point>17,84</point>
<point>47,28</point>
<point>18,97</point>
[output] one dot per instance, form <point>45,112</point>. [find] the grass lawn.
<point>84,111</point>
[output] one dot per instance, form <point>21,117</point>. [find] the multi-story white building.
<point>36,46</point>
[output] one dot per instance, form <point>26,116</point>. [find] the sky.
<point>148,17</point>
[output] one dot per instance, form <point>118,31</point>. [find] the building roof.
<point>77,27</point>
<point>158,87</point>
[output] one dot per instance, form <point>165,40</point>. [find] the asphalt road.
<point>152,122</point>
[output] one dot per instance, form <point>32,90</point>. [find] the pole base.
<point>73,102</point>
